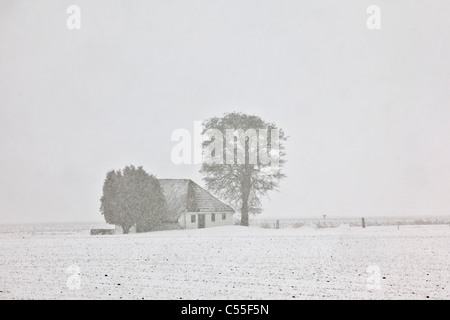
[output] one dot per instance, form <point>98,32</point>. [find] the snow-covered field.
<point>228,263</point>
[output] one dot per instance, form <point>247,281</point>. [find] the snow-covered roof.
<point>184,195</point>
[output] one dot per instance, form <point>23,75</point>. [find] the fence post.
<point>363,223</point>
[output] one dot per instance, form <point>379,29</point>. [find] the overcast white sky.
<point>367,111</point>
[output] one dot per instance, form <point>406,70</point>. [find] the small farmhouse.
<point>191,207</point>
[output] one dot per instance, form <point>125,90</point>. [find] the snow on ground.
<point>229,263</point>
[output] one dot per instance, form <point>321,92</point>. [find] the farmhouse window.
<point>192,217</point>
<point>213,217</point>
<point>224,216</point>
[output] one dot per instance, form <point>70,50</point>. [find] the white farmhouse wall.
<point>208,223</point>
<point>185,221</point>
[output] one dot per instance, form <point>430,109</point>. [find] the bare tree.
<point>243,182</point>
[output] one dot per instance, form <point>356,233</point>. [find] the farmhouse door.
<point>201,220</point>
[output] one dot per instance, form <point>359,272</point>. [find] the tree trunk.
<point>244,213</point>
<point>244,209</point>
<point>245,194</point>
